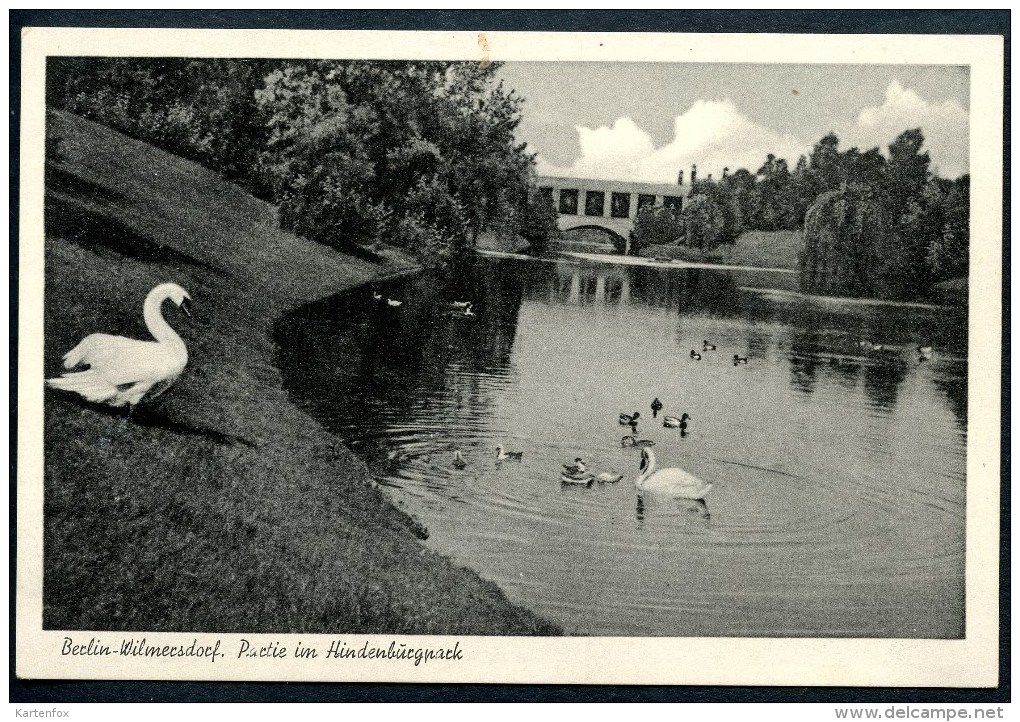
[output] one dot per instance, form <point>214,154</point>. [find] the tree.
<point>843,233</point>
<point>906,171</point>
<point>424,150</point>
<point>655,225</point>
<point>203,109</point>
<point>702,222</point>
<point>538,226</point>
<point>772,199</point>
<point>948,252</point>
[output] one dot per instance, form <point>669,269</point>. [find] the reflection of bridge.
<point>606,204</point>
<point>602,285</point>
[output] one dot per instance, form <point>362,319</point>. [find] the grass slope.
<point>762,249</point>
<point>221,507</point>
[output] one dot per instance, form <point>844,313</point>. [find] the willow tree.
<point>843,237</point>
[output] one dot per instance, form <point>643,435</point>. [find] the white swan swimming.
<point>671,481</point>
<point>121,371</point>
<point>607,477</point>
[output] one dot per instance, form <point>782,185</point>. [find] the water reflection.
<point>837,468</point>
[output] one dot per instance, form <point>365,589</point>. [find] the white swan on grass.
<point>671,481</point>
<point>122,371</point>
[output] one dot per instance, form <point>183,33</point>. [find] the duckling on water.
<point>578,467</point>
<point>502,455</point>
<point>695,355</point>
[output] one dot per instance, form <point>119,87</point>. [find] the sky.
<point>646,121</point>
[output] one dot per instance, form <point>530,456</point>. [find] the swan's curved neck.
<point>153,314</point>
<point>649,469</point>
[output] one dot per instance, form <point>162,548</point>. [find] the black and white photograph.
<point>586,358</point>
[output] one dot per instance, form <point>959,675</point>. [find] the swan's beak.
<point>186,307</point>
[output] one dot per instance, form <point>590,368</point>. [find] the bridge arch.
<point>605,230</point>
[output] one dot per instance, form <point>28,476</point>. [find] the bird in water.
<point>706,346</point>
<point>377,296</point>
<point>629,419</point>
<point>924,353</point>
<point>672,422</point>
<point>737,359</point>
<point>122,371</point>
<point>656,407</point>
<point>461,304</point>
<point>672,481</point>
<point>695,355</point>
<point>578,467</point>
<point>502,455</point>
<point>631,440</point>
<point>393,303</point>
<point>458,459</point>
<point>607,477</point>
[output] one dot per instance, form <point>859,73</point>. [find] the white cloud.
<point>711,134</point>
<point>946,128</point>
<point>715,134</point>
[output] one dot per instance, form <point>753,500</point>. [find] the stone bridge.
<point>606,204</point>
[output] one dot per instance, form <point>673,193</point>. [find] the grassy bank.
<point>221,507</point>
<point>762,249</point>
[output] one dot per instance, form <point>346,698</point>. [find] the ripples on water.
<point>840,475</point>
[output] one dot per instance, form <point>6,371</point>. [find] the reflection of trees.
<point>805,345</point>
<point>345,357</point>
<point>955,388</point>
<point>882,381</point>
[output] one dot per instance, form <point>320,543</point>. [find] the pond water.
<point>839,499</point>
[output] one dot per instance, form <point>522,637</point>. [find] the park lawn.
<point>767,249</point>
<point>220,506</point>
<point>761,249</point>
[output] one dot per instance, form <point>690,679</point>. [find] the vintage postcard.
<point>509,357</point>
